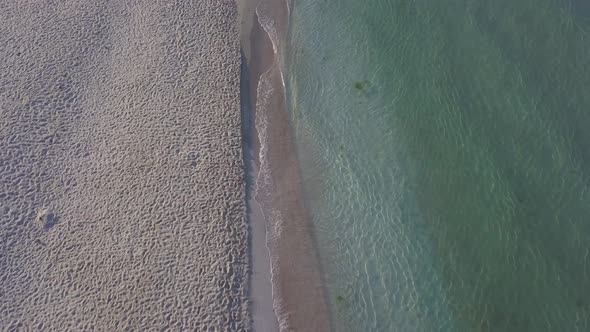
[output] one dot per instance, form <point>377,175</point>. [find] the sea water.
<point>445,151</point>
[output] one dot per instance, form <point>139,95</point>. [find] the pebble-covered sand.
<point>121,178</point>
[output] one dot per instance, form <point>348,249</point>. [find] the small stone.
<point>46,219</point>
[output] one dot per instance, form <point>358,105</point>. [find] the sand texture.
<point>121,177</point>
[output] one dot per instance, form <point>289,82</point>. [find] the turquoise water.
<point>445,147</point>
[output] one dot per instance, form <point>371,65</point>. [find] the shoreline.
<point>298,296</point>
<point>260,290</point>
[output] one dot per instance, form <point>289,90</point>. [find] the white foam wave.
<point>264,183</point>
<point>264,188</point>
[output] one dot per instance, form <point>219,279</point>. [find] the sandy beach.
<point>122,200</point>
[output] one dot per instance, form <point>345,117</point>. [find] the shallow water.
<point>444,151</point>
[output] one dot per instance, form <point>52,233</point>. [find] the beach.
<point>122,198</point>
<point>276,165</point>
